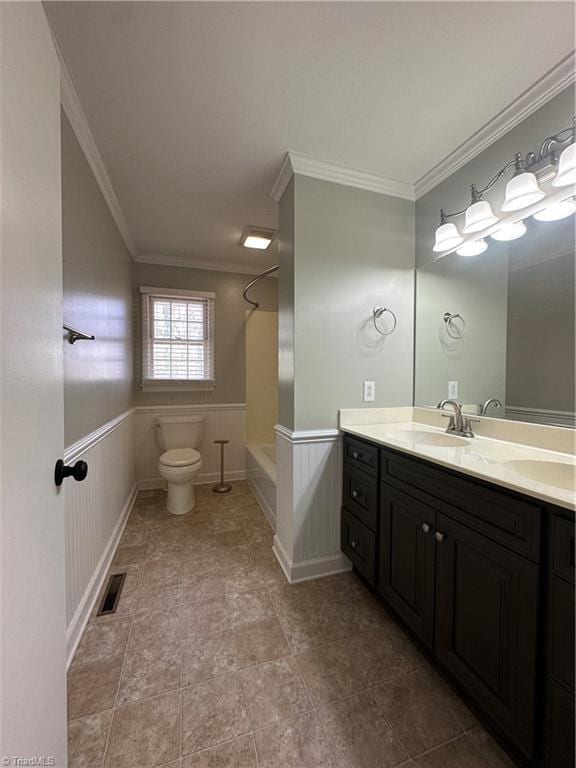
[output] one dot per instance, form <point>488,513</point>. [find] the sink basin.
<point>433,438</point>
<point>557,473</point>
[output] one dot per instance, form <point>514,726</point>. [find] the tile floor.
<point>213,661</point>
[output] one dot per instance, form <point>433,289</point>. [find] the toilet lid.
<point>180,457</point>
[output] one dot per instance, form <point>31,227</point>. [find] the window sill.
<point>178,386</point>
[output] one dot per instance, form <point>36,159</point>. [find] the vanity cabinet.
<point>484,580</point>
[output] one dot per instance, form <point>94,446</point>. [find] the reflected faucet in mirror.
<point>491,401</point>
<point>458,424</point>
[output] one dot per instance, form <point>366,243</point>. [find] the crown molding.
<point>75,114</point>
<point>182,261</point>
<point>554,81</point>
<point>304,165</point>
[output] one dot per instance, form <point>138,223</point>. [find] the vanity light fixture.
<point>566,167</point>
<point>257,238</point>
<point>472,248</point>
<point>509,232</point>
<point>447,235</point>
<point>479,213</point>
<point>556,211</point>
<point>523,191</point>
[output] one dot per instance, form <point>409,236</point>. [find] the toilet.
<point>180,462</point>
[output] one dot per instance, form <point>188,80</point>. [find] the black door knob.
<point>78,471</point>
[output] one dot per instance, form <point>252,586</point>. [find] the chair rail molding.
<point>309,497</point>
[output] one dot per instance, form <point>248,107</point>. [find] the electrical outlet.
<point>369,391</point>
<point>453,390</point>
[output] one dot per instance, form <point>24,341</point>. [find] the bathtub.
<point>261,475</point>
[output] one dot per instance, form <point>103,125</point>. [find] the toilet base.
<point>181,498</point>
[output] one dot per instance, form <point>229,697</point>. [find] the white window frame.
<point>174,385</point>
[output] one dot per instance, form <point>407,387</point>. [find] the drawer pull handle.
<point>425,527</point>
<point>356,455</point>
<point>354,494</point>
<point>440,537</point>
<point>354,543</point>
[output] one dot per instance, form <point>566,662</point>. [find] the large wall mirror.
<point>501,325</point>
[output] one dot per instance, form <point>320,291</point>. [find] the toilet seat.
<point>180,457</point>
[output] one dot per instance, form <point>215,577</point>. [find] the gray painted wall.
<point>453,193</point>
<point>353,250</point>
<point>97,299</point>
<point>229,321</point>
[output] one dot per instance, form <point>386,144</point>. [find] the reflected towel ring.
<point>378,312</point>
<point>448,318</point>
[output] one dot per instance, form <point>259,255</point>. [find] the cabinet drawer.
<point>561,632</point>
<point>562,547</point>
<point>359,544</point>
<point>360,495</point>
<point>361,455</point>
<point>505,519</point>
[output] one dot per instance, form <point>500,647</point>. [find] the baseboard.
<point>262,503</point>
<point>86,605</point>
<point>310,569</point>
<point>205,478</point>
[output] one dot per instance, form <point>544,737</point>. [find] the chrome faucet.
<point>458,424</point>
<point>491,401</point>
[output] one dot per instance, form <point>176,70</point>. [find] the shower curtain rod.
<point>264,274</point>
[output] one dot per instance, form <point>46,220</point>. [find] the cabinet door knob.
<point>425,527</point>
<point>440,536</point>
<point>354,543</point>
<point>354,494</point>
<point>354,454</point>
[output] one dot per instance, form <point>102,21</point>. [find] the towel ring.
<point>448,317</point>
<point>378,312</point>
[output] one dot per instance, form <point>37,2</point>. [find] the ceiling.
<point>194,105</point>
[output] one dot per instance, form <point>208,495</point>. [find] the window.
<point>177,339</point>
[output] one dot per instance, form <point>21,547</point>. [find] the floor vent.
<point>111,597</point>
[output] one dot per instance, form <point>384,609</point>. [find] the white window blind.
<point>177,337</point>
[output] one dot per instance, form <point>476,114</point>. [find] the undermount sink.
<point>434,438</point>
<point>557,473</point>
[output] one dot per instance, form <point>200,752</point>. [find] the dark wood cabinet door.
<point>486,626</point>
<point>406,564</point>
<point>560,727</point>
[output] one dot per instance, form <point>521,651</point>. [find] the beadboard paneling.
<point>309,501</point>
<point>223,422</point>
<point>94,512</point>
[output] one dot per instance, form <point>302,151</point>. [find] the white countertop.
<point>480,457</point>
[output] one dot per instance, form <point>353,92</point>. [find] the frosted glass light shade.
<point>479,216</point>
<point>473,248</point>
<point>521,191</point>
<point>447,236</point>
<point>556,211</point>
<point>510,232</point>
<point>566,168</point>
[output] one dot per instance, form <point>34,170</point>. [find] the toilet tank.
<point>179,431</point>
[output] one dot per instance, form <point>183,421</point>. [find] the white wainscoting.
<point>309,482</point>
<point>96,512</point>
<point>223,422</point>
